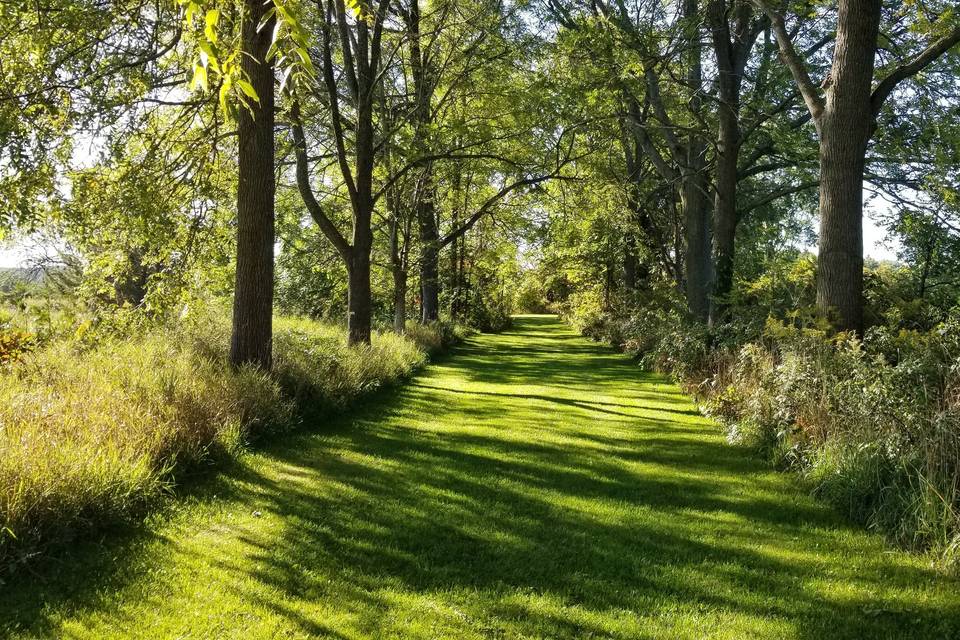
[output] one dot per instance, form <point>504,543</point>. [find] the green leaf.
<point>225,93</point>
<point>286,77</point>
<point>192,8</point>
<point>266,18</point>
<point>212,59</point>
<point>248,89</point>
<point>199,77</point>
<point>213,16</point>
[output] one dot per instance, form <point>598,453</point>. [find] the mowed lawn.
<point>531,485</point>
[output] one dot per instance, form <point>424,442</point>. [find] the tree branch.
<point>926,57</point>
<point>306,191</point>
<point>776,195</point>
<point>798,68</point>
<point>493,200</point>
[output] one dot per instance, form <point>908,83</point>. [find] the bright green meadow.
<point>531,484</point>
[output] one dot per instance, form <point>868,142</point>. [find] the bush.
<point>530,295</point>
<point>15,345</point>
<point>584,310</point>
<point>872,424</point>
<point>436,336</point>
<point>489,316</point>
<point>91,431</point>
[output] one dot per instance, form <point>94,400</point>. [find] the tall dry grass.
<point>91,434</point>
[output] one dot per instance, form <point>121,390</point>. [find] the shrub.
<point>530,295</point>
<point>14,345</point>
<point>584,310</point>
<point>92,429</point>
<point>870,423</point>
<point>88,436</point>
<point>489,316</point>
<point>436,336</point>
<point>873,425</point>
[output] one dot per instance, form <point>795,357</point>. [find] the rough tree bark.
<point>252,335</point>
<point>696,214</point>
<point>399,252</point>
<point>399,300</point>
<point>359,304</point>
<point>845,122</point>
<point>454,282</point>
<point>630,262</point>
<point>429,257</point>
<point>846,125</point>
<point>732,43</point>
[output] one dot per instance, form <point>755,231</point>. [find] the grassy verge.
<point>90,434</point>
<point>872,425</point>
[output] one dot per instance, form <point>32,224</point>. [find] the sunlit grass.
<point>533,485</point>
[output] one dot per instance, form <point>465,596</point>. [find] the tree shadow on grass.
<point>521,514</point>
<point>464,516</point>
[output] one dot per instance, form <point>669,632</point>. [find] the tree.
<point>252,333</point>
<point>845,109</point>
<point>71,69</point>
<point>734,31</point>
<point>359,38</point>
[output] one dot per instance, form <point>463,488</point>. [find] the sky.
<point>12,256</point>
<point>875,244</point>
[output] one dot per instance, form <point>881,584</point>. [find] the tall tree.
<point>660,45</point>
<point>351,99</point>
<point>845,109</point>
<point>252,336</point>
<point>425,79</point>
<point>734,32</point>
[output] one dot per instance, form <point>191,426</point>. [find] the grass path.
<point>534,485</point>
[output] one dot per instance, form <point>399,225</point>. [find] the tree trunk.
<point>454,273</point>
<point>252,336</point>
<point>359,303</point>
<point>429,257</point>
<point>398,266</point>
<point>630,262</point>
<point>734,32</point>
<point>455,245</point>
<point>696,214</point>
<point>399,301</point>
<point>925,270</point>
<point>725,206</point>
<point>695,185</point>
<point>845,127</point>
<point>429,235</point>
<point>462,285</point>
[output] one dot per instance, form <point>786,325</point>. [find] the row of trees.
<point>392,129</point>
<point>378,97</point>
<point>378,143</point>
<point>719,115</point>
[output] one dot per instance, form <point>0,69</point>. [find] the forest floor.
<point>531,485</point>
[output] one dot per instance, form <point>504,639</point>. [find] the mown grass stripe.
<point>533,485</point>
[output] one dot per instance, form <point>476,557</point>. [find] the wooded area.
<point>242,215</point>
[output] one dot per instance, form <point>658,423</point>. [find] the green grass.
<point>93,433</point>
<point>532,485</point>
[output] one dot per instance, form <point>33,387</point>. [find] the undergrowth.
<point>872,424</point>
<point>92,429</point>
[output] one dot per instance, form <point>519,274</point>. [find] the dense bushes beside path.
<point>92,430</point>
<point>872,424</point>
